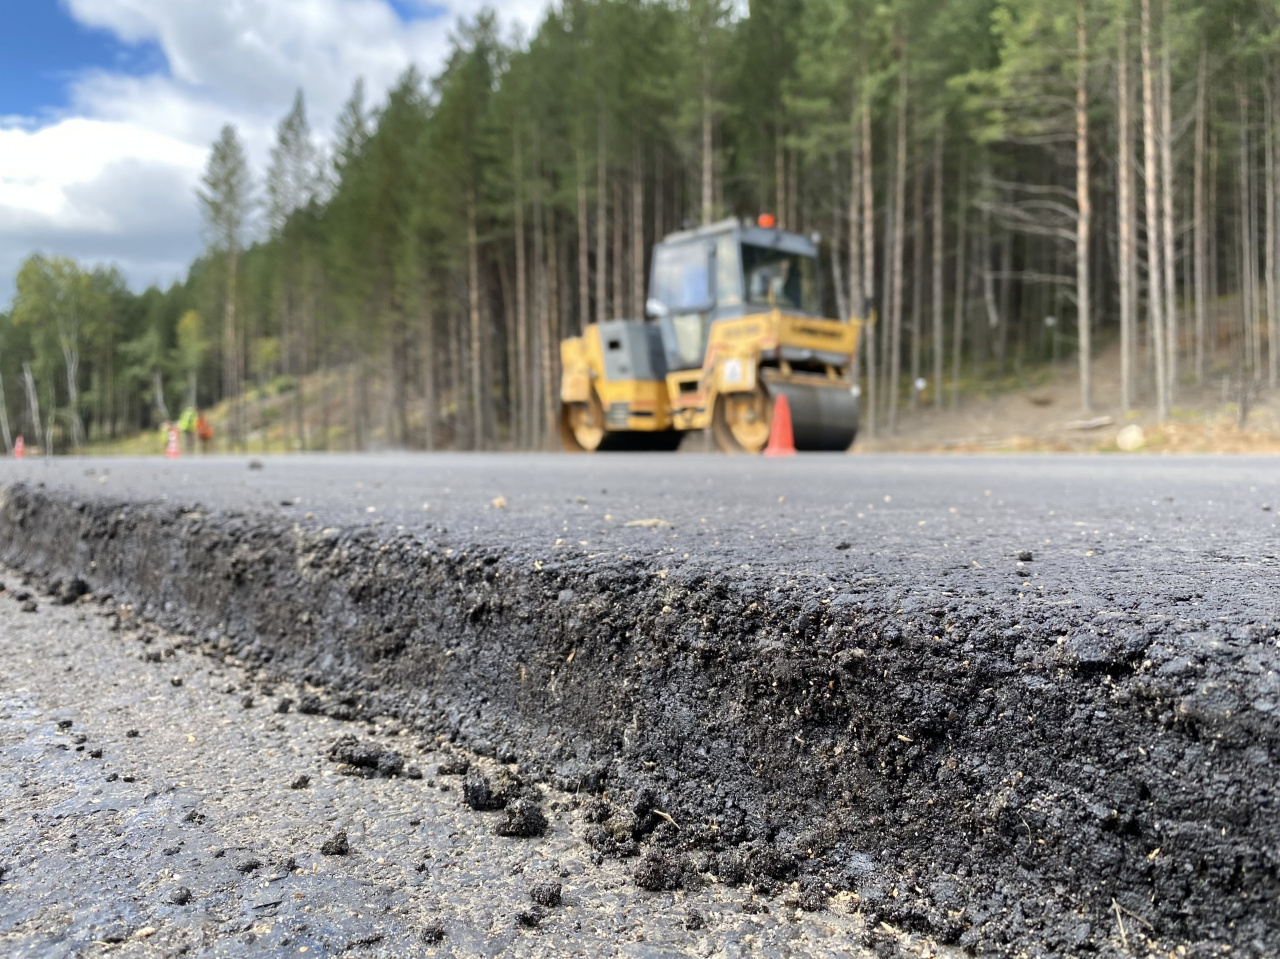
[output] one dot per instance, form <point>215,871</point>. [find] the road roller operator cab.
<point>734,319</point>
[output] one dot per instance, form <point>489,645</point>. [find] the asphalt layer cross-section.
<point>1018,704</point>
<point>155,802</point>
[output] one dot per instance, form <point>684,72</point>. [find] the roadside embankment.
<point>1010,775</point>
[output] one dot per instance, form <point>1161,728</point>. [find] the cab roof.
<point>751,234</point>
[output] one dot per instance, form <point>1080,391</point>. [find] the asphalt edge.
<point>761,723</point>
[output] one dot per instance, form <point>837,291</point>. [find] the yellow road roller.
<point>734,319</point>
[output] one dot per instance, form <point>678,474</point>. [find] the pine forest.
<point>996,184</point>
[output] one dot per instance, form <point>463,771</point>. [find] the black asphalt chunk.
<point>492,792</point>
<point>522,817</point>
<point>455,766</point>
<point>310,705</point>
<point>531,918</point>
<point>433,932</point>
<point>180,896</point>
<point>365,759</point>
<point>545,894</point>
<point>660,870</point>
<point>336,845</point>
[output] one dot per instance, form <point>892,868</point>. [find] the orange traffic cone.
<point>782,441</point>
<point>172,450</point>
<point>19,448</point>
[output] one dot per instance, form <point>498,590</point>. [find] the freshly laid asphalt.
<point>1101,530</point>
<point>1032,701</point>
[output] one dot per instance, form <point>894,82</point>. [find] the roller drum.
<point>823,418</point>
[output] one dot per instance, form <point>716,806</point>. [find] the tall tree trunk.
<point>1084,207</point>
<point>962,280</point>
<point>793,180</point>
<point>1273,222</point>
<point>1155,297</point>
<point>637,231</point>
<point>540,307</point>
<point>1211,247</point>
<point>1251,251</point>
<point>550,393</point>
<point>886,283</point>
<point>523,389</point>
<point>1125,215</point>
<point>1246,259</point>
<point>473,311</point>
<point>899,206</point>
<point>231,351</point>
<point>939,227</point>
<point>602,217</point>
<point>33,401</point>
<point>111,412</point>
<point>455,367</point>
<point>982,347</point>
<point>708,155</point>
<point>1005,315</point>
<point>857,292</point>
<point>71,360</point>
<point>1200,225</point>
<point>4,420</point>
<point>429,406</point>
<point>584,246</point>
<point>1168,258</point>
<point>868,249</point>
<point>659,193</point>
<point>856,306</point>
<point>619,291</point>
<point>780,172</point>
<point>1269,238</point>
<point>917,269</point>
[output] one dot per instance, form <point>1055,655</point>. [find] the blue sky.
<point>42,48</point>
<point>108,107</point>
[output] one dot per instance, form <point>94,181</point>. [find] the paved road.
<point>119,788</point>
<point>1162,534</point>
<point>1009,700</point>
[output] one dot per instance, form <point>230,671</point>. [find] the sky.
<point>108,107</point>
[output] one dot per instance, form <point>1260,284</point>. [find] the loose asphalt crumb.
<point>336,845</point>
<point>545,894</point>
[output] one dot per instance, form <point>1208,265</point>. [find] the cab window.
<point>775,278</point>
<point>728,273</point>
<point>682,277</point>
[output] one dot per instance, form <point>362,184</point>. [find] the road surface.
<point>1011,702</point>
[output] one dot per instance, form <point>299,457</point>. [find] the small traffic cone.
<point>19,448</point>
<point>782,441</point>
<point>172,449</point>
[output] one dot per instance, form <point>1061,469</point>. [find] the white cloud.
<point>112,179</point>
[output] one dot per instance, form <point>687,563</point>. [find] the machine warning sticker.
<point>732,371</point>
